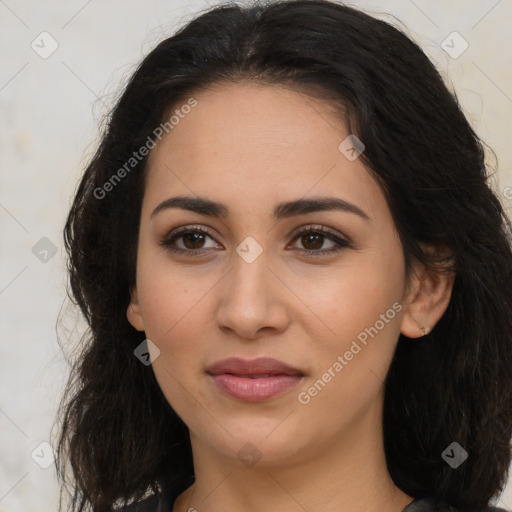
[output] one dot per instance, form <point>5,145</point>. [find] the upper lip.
<point>259,366</point>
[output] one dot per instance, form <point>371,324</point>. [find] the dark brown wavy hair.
<point>119,434</point>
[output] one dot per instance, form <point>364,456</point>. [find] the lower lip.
<point>257,389</point>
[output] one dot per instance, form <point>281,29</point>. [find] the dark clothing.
<point>165,502</point>
<point>432,505</point>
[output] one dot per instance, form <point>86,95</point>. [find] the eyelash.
<point>175,235</point>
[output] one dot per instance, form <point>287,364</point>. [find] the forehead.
<point>258,144</point>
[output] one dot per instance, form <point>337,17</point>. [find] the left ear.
<point>429,296</point>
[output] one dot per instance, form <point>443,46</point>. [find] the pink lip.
<point>255,389</point>
<point>258,366</point>
<point>254,380</point>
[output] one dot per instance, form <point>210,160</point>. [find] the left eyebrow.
<point>205,206</point>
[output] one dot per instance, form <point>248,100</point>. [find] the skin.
<point>250,147</point>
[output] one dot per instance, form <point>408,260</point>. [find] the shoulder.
<point>436,505</point>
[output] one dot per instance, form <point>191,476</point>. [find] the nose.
<point>253,300</point>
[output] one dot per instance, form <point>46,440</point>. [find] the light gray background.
<point>49,112</point>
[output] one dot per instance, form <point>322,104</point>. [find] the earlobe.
<point>427,302</point>
<point>133,312</point>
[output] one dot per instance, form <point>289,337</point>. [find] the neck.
<point>349,475</point>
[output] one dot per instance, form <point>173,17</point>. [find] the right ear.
<point>133,311</point>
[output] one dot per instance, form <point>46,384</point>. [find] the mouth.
<point>254,380</point>
<point>256,376</point>
<point>252,368</point>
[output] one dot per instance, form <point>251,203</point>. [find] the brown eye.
<point>312,239</point>
<point>187,240</point>
<point>193,240</point>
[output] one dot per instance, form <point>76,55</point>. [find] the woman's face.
<point>327,304</point>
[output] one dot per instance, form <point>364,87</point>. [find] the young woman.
<point>296,278</point>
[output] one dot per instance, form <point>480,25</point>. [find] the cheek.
<point>173,311</point>
<point>346,300</point>
<point>173,304</point>
<point>360,312</point>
